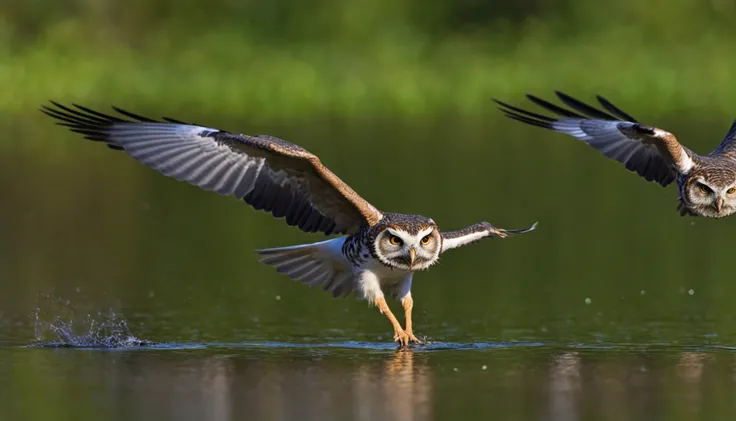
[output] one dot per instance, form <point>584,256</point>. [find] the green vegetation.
<point>366,57</point>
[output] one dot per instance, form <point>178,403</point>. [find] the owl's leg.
<point>408,303</point>
<point>399,335</point>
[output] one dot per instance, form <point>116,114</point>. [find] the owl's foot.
<point>412,338</point>
<point>404,338</point>
<point>401,337</point>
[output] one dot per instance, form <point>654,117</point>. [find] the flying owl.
<point>377,253</point>
<point>706,183</point>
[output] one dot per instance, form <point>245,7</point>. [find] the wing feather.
<point>477,232</point>
<point>728,145</point>
<point>317,265</point>
<point>650,152</point>
<point>266,172</point>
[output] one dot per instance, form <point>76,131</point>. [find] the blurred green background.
<point>365,57</point>
<point>614,296</point>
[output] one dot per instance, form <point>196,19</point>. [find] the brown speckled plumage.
<point>409,223</point>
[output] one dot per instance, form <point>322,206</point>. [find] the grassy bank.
<point>223,72</point>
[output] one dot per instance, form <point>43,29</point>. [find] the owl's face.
<point>409,249</point>
<point>712,197</point>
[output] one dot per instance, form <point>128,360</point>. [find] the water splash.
<point>55,327</point>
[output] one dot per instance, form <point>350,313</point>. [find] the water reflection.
<point>401,390</point>
<point>564,387</point>
<point>303,387</point>
<point>625,385</point>
<point>221,383</point>
<point>690,369</point>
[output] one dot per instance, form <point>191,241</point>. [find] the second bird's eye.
<point>703,188</point>
<point>395,240</point>
<point>732,190</point>
<point>425,240</point>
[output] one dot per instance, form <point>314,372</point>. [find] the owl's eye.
<point>732,190</point>
<point>425,240</point>
<point>395,240</point>
<point>703,188</point>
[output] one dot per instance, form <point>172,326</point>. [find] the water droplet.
<point>643,292</point>
<point>278,298</point>
<point>454,369</point>
<point>691,291</point>
<point>97,330</point>
<point>485,367</point>
<point>588,301</point>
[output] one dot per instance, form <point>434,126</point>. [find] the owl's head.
<point>408,242</point>
<point>711,192</point>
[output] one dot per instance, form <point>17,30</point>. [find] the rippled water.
<point>310,380</point>
<point>125,295</point>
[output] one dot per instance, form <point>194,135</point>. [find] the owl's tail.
<point>318,264</point>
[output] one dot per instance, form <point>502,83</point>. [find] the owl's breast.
<point>386,274</point>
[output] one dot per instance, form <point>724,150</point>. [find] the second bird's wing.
<point>652,153</point>
<point>728,145</point>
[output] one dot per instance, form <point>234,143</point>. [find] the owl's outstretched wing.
<point>728,145</point>
<point>475,232</point>
<point>266,172</point>
<point>652,153</point>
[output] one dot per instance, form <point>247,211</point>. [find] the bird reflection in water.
<point>316,385</point>
<point>400,390</point>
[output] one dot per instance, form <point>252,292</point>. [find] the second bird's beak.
<point>719,204</point>
<point>412,256</point>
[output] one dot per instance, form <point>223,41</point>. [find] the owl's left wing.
<point>476,232</point>
<point>652,153</point>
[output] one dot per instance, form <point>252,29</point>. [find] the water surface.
<point>126,295</point>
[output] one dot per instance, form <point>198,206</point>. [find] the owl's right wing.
<point>652,153</point>
<point>266,172</point>
<point>477,232</point>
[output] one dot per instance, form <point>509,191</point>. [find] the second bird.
<point>706,183</point>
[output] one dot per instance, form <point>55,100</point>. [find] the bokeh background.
<point>615,294</point>
<point>360,57</point>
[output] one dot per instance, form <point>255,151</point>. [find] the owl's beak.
<point>412,256</point>
<point>719,204</point>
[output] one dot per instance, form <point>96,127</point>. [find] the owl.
<point>706,184</point>
<point>376,253</point>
